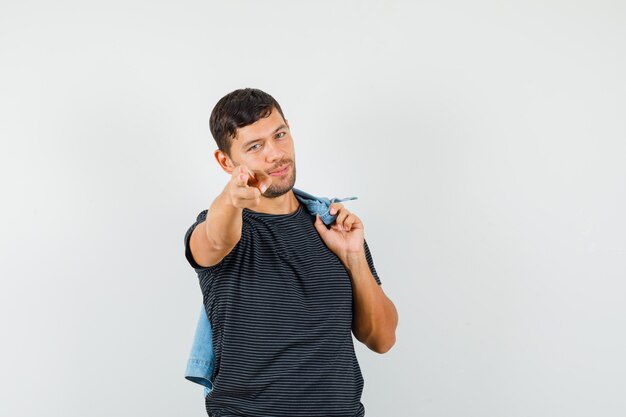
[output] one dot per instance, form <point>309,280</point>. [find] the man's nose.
<point>274,152</point>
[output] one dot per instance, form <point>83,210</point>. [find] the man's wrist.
<point>355,261</point>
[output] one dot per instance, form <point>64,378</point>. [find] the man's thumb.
<point>319,225</point>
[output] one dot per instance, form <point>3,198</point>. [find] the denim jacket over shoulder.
<point>201,360</point>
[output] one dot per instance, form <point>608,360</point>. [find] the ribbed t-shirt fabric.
<point>280,306</point>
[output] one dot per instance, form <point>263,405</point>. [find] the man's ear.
<point>224,161</point>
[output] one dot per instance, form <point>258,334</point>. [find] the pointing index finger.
<point>260,180</point>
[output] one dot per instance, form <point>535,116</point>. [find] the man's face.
<point>267,146</point>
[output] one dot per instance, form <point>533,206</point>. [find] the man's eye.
<point>280,134</point>
<point>253,147</point>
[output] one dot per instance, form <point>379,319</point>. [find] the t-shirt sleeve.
<point>243,242</point>
<point>201,217</point>
<point>370,262</point>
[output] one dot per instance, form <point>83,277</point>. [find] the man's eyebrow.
<point>254,140</point>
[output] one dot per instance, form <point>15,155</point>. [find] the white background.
<point>485,141</point>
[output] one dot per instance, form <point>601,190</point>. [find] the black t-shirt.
<point>280,306</point>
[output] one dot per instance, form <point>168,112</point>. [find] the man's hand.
<point>245,187</point>
<point>345,236</point>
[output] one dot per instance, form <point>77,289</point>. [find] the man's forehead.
<point>263,128</point>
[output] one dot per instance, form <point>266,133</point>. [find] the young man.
<point>283,292</point>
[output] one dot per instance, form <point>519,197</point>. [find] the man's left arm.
<point>374,318</point>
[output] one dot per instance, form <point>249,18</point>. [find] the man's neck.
<point>285,204</point>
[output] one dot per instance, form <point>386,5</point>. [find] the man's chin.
<point>276,192</point>
<point>279,188</point>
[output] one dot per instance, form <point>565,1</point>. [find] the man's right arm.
<point>214,238</point>
<point>217,235</point>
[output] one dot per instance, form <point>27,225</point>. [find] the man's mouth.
<point>280,171</point>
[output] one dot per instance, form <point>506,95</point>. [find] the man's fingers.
<point>264,180</point>
<point>245,177</point>
<point>320,226</point>
<point>350,221</point>
<point>265,184</point>
<point>246,197</point>
<point>334,208</point>
<point>342,214</point>
<point>250,180</point>
<point>261,180</point>
<point>250,193</point>
<point>242,180</point>
<point>241,176</point>
<point>345,220</point>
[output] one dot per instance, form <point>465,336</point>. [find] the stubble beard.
<point>276,190</point>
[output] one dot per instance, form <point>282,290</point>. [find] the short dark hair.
<point>237,109</point>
